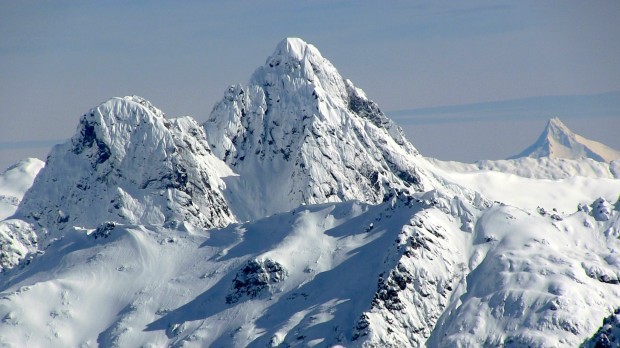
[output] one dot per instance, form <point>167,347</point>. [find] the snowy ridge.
<point>427,264</point>
<point>126,163</point>
<point>538,168</point>
<point>408,272</point>
<point>14,182</point>
<point>557,141</point>
<point>540,292</point>
<point>332,258</point>
<point>302,134</point>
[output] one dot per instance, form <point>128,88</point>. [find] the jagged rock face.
<point>255,278</point>
<point>130,164</point>
<point>608,335</point>
<point>301,132</point>
<point>17,240</point>
<point>428,266</point>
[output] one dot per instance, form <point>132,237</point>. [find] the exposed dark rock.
<point>104,230</point>
<point>608,335</point>
<point>255,278</point>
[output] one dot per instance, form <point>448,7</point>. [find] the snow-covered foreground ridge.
<point>130,235</point>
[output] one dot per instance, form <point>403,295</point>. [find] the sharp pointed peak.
<point>558,141</point>
<point>294,58</point>
<point>296,49</point>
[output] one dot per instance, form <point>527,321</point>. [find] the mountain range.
<point>298,214</point>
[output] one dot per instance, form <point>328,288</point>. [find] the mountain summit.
<point>300,133</point>
<point>557,141</point>
<point>128,163</point>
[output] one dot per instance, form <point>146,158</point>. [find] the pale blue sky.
<point>58,59</point>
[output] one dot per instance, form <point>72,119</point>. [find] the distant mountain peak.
<point>556,130</point>
<point>558,141</point>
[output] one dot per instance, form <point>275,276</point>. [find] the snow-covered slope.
<point>557,141</point>
<point>563,195</point>
<point>306,277</point>
<point>126,163</point>
<point>538,168</point>
<point>339,273</point>
<point>536,280</point>
<point>14,182</point>
<point>301,134</point>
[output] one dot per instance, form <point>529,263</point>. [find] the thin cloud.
<point>31,144</point>
<point>582,106</point>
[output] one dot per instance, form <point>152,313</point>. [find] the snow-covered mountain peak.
<point>558,141</point>
<point>130,164</point>
<point>145,103</point>
<point>300,69</point>
<point>294,48</point>
<point>314,135</point>
<point>291,53</point>
<point>556,131</point>
<point>556,123</point>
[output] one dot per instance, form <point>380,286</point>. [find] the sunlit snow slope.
<point>344,273</point>
<point>14,182</point>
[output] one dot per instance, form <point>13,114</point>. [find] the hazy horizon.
<point>60,59</point>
